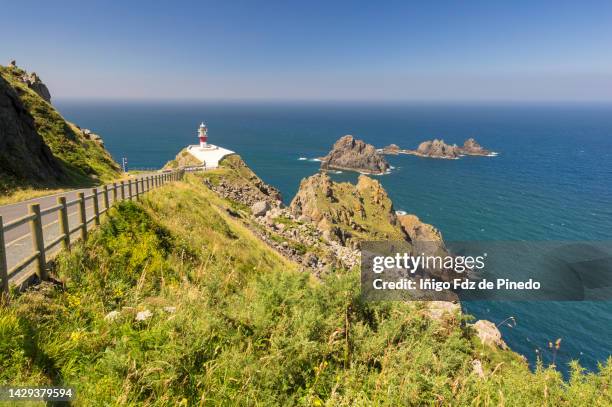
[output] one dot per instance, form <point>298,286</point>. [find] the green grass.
<point>85,161</point>
<point>248,328</point>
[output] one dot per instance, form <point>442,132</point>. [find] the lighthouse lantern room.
<point>203,135</point>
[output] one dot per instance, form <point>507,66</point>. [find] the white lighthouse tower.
<point>203,135</point>
<point>208,154</point>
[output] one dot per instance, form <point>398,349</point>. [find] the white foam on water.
<point>401,213</point>
<point>302,159</point>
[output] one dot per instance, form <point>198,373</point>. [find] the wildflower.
<point>144,315</point>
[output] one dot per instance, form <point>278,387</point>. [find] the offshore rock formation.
<point>439,149</point>
<point>354,155</point>
<point>23,152</point>
<point>471,147</point>
<point>392,149</point>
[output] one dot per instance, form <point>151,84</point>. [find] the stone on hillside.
<point>304,219</point>
<point>34,83</point>
<point>489,334</point>
<point>260,208</point>
<point>477,368</point>
<point>310,260</point>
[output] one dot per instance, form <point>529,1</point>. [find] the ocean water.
<point>552,179</point>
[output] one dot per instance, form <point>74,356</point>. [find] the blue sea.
<point>552,179</point>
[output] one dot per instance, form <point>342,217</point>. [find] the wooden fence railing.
<point>125,190</point>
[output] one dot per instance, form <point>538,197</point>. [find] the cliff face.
<point>23,152</point>
<point>39,147</point>
<point>351,154</point>
<point>349,213</point>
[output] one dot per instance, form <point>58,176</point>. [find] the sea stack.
<point>437,149</point>
<point>471,147</point>
<point>351,154</point>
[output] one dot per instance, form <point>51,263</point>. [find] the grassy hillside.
<point>233,323</point>
<point>85,161</point>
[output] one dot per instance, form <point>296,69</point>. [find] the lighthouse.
<point>209,155</point>
<point>203,135</point>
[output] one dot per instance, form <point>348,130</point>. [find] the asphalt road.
<point>19,240</point>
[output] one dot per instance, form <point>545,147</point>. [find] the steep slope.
<point>23,152</point>
<point>26,117</point>
<point>173,301</point>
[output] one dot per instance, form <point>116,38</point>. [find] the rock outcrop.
<point>471,147</point>
<point>236,181</point>
<point>427,237</point>
<point>260,208</point>
<point>437,149</point>
<point>33,82</point>
<point>23,152</point>
<point>90,135</point>
<point>351,154</point>
<point>348,213</point>
<point>392,149</point>
<point>488,334</point>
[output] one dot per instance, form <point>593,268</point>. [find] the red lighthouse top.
<point>203,135</point>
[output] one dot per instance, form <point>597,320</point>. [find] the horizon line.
<point>339,100</point>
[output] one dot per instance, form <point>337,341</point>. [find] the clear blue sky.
<point>426,50</point>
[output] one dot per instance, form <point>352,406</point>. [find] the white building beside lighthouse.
<point>208,154</point>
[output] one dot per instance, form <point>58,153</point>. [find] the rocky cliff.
<point>349,153</point>
<point>234,180</point>
<point>23,152</point>
<point>39,147</point>
<point>352,213</point>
